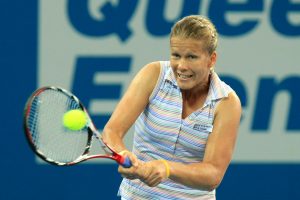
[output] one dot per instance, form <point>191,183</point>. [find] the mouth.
<point>184,76</point>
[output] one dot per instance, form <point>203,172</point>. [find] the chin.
<point>185,86</point>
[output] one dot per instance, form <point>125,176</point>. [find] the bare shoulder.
<point>153,68</point>
<point>149,73</point>
<point>146,79</point>
<point>233,100</point>
<point>150,70</point>
<point>230,106</point>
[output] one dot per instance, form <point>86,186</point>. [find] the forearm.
<point>113,139</point>
<point>202,176</point>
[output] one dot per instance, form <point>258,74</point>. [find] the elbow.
<point>214,179</point>
<point>212,187</point>
<point>213,183</point>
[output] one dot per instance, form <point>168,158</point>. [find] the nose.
<point>182,64</point>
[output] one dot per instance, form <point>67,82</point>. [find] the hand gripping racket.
<point>54,143</point>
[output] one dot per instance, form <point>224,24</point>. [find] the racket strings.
<point>51,138</point>
<point>32,119</point>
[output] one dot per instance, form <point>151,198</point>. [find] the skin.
<point>191,65</point>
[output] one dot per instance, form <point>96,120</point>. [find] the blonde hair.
<point>197,27</point>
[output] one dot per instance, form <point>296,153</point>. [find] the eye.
<point>175,55</point>
<point>192,57</point>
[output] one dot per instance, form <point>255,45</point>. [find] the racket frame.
<point>91,130</point>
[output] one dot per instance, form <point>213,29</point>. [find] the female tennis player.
<point>186,120</point>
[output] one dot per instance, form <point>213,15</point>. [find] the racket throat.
<point>120,159</point>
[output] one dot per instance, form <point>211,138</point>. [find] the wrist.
<point>167,166</point>
<point>123,152</point>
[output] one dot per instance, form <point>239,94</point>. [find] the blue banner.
<point>94,48</point>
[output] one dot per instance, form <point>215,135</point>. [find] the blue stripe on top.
<point>161,133</point>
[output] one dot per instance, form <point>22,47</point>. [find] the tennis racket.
<point>54,143</point>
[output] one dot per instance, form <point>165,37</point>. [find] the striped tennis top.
<point>161,133</point>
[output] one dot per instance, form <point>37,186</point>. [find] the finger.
<point>124,171</point>
<point>144,171</point>
<point>154,181</point>
<point>129,173</point>
<point>131,177</point>
<point>131,156</point>
<point>134,160</point>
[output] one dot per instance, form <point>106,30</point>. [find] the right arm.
<point>131,106</point>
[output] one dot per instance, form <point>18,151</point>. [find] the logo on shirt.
<point>201,127</point>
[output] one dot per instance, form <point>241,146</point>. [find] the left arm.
<point>208,174</point>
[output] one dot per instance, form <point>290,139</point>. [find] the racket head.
<point>44,129</point>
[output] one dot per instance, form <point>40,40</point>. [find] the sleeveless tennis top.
<point>161,133</point>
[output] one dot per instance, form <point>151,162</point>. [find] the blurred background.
<point>95,47</point>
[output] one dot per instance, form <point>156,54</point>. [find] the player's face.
<point>191,63</point>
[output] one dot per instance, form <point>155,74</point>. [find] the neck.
<point>197,92</point>
<point>192,101</point>
<point>195,95</point>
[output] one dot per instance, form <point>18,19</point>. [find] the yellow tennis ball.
<point>75,119</point>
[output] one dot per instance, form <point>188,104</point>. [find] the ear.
<point>213,59</point>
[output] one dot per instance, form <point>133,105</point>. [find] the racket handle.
<point>127,163</point>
